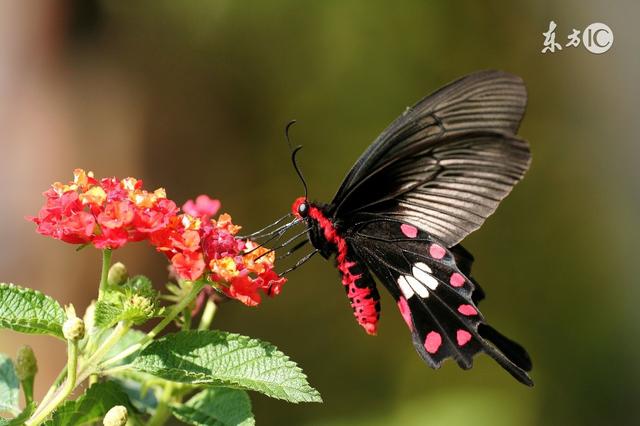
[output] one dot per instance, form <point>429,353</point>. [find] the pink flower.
<point>204,207</point>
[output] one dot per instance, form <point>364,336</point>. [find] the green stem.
<point>162,409</point>
<point>186,324</point>
<point>106,264</point>
<point>117,333</point>
<point>207,315</point>
<point>72,364</point>
<point>175,310</point>
<point>54,386</point>
<point>27,390</point>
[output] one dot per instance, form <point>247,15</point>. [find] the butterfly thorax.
<point>322,232</point>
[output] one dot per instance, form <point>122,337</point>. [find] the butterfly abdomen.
<point>359,285</point>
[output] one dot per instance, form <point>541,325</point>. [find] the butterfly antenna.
<point>294,152</point>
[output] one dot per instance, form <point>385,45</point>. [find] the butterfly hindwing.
<point>435,296</point>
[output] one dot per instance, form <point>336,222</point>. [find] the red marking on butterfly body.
<point>364,306</point>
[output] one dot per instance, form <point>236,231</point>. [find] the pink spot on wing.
<point>467,310</point>
<point>406,313</point>
<point>456,280</point>
<point>409,230</point>
<point>432,342</point>
<point>436,251</point>
<point>463,337</point>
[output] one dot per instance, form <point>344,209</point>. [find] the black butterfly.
<point>430,179</point>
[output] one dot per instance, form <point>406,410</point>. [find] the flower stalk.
<point>69,385</point>
<point>207,315</point>
<point>104,276</point>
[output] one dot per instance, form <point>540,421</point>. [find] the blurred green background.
<point>194,95</point>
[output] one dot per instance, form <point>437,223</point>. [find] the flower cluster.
<point>106,213</point>
<point>110,212</point>
<point>197,245</point>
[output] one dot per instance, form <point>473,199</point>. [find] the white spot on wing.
<point>417,286</point>
<point>423,266</point>
<point>425,278</point>
<point>405,287</point>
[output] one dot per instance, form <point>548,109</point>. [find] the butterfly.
<point>429,180</point>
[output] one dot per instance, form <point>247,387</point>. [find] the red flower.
<point>218,244</point>
<point>107,213</point>
<point>111,238</point>
<point>116,214</point>
<point>150,220</point>
<point>188,265</point>
<point>272,282</point>
<point>244,289</point>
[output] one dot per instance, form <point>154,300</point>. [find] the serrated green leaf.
<point>225,359</point>
<point>9,386</point>
<point>29,311</point>
<point>216,407</point>
<point>90,407</point>
<point>106,314</point>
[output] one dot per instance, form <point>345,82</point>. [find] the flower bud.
<point>142,303</point>
<point>116,416</point>
<point>73,327</point>
<point>26,364</point>
<point>117,274</point>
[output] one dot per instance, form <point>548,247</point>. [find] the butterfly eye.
<point>303,209</point>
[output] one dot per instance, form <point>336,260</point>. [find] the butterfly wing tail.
<point>512,350</point>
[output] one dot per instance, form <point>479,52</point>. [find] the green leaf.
<point>90,407</point>
<point>134,301</point>
<point>140,394</point>
<point>29,311</point>
<point>9,386</point>
<point>129,339</point>
<point>216,407</point>
<point>225,359</point>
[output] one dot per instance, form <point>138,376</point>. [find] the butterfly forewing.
<point>446,163</point>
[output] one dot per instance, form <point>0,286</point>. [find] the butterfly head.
<point>300,208</point>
